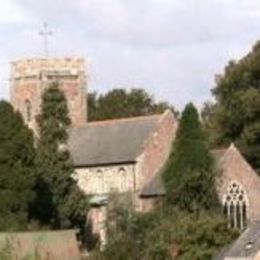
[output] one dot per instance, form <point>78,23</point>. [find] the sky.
<point>171,48</point>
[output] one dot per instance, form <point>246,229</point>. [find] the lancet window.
<point>123,178</point>
<point>28,110</point>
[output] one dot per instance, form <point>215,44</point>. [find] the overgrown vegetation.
<point>59,203</point>
<point>36,185</point>
<point>17,169</point>
<point>190,175</point>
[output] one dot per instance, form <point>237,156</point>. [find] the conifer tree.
<point>189,176</point>
<point>56,188</point>
<point>17,155</point>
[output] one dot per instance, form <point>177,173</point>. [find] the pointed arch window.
<point>123,177</point>
<point>28,111</point>
<point>235,205</point>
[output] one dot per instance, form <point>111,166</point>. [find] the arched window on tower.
<point>28,111</point>
<point>123,177</point>
<point>235,205</point>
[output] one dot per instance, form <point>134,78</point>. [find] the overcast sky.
<point>171,48</point>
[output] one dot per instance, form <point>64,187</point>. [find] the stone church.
<point>125,155</point>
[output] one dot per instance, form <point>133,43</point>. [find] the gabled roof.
<point>111,141</point>
<point>247,245</point>
<point>229,157</point>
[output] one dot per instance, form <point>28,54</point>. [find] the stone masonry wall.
<point>30,77</point>
<point>235,168</point>
<point>156,150</point>
<point>154,157</point>
<point>102,180</point>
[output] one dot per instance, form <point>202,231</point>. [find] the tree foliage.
<point>236,116</point>
<point>166,233</point>
<point>17,155</point>
<point>119,103</point>
<point>57,192</point>
<point>190,176</point>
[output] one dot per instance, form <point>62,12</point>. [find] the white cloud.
<point>172,48</point>
<point>11,12</point>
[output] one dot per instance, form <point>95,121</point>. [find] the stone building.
<point>125,155</point>
<point>238,187</point>
<point>30,77</point>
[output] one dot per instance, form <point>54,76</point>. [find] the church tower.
<point>30,77</point>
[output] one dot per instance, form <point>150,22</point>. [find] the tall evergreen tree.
<point>189,177</point>
<point>57,192</point>
<point>17,155</point>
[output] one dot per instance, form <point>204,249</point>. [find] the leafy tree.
<point>59,202</point>
<point>189,177</point>
<point>119,103</point>
<point>121,228</point>
<point>166,233</point>
<point>236,116</point>
<point>17,155</point>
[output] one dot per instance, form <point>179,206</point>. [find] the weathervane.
<point>45,33</point>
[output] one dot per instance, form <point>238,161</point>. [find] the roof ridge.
<point>125,119</point>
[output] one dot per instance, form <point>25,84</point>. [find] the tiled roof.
<point>111,141</point>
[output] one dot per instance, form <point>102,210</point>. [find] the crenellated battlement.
<point>34,67</point>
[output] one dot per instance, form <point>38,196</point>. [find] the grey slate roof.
<point>111,141</point>
<point>246,246</point>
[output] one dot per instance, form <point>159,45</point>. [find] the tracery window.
<point>28,110</point>
<point>235,203</point>
<point>123,178</point>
